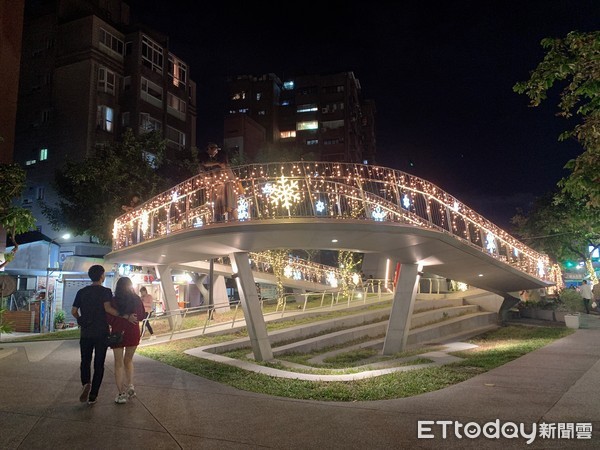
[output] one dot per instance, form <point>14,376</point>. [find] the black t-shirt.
<point>90,301</point>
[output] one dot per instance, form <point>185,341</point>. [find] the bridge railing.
<point>324,190</point>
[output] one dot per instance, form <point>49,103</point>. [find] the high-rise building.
<point>322,115</point>
<point>87,74</point>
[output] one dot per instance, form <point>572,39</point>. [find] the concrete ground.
<point>39,407</point>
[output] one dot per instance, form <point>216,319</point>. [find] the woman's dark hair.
<point>125,298</point>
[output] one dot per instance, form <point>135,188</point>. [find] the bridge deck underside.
<point>438,252</point>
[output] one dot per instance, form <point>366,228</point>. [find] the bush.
<point>59,317</point>
<point>570,301</point>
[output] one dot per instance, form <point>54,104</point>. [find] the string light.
<point>341,190</point>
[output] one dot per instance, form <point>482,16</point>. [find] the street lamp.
<point>48,324</point>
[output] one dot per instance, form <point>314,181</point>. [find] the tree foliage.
<point>14,219</point>
<point>573,63</point>
<point>92,191</point>
<point>561,226</point>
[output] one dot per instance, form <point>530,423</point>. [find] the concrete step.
<point>435,315</point>
<point>455,326</point>
<point>424,305</point>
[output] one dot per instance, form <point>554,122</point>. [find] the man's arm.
<point>108,308</point>
<point>75,312</point>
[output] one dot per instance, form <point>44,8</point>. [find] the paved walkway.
<point>39,407</point>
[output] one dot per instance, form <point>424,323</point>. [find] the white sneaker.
<point>121,398</point>
<point>152,337</point>
<point>130,391</point>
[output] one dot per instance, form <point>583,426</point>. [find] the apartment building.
<point>87,74</point>
<point>322,115</point>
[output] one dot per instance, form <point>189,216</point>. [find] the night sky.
<point>440,73</point>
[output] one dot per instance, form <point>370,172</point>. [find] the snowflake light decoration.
<point>378,214</point>
<point>516,252</point>
<point>332,280</point>
<point>115,229</point>
<point>456,206</point>
<point>320,206</point>
<point>355,278</point>
<point>288,272</point>
<point>490,242</point>
<point>297,275</point>
<point>267,189</point>
<point>405,201</point>
<point>285,193</point>
<point>175,196</point>
<point>243,209</point>
<point>541,268</point>
<point>198,222</point>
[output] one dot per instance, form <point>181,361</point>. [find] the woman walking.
<point>128,304</point>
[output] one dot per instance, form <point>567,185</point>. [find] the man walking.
<point>586,294</point>
<point>89,308</point>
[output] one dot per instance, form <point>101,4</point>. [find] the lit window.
<point>285,103</point>
<point>177,71</point>
<point>175,106</point>
<point>287,134</point>
<point>30,162</point>
<point>312,141</point>
<point>43,154</point>
<point>309,125</point>
<point>288,85</point>
<point>41,191</point>
<point>243,110</point>
<point>258,95</point>
<point>238,95</point>
<point>106,80</point>
<point>111,42</point>
<point>307,108</point>
<point>152,55</point>
<point>262,112</point>
<point>104,118</point>
<point>152,92</point>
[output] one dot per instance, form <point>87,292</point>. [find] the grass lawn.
<point>495,349</point>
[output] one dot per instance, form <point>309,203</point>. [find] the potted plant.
<point>571,303</point>
<point>59,319</point>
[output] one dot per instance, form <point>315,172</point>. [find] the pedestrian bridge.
<point>326,205</point>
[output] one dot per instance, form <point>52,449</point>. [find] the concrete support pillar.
<point>402,309</point>
<point>166,281</point>
<point>198,280</point>
<point>220,297</point>
<point>255,322</point>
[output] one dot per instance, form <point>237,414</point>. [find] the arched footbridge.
<point>324,205</point>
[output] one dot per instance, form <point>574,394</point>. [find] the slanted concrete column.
<point>402,309</point>
<point>220,299</point>
<point>166,281</point>
<point>255,322</point>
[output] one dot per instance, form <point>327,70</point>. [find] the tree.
<point>574,63</point>
<point>14,219</point>
<point>563,227</point>
<point>92,191</point>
